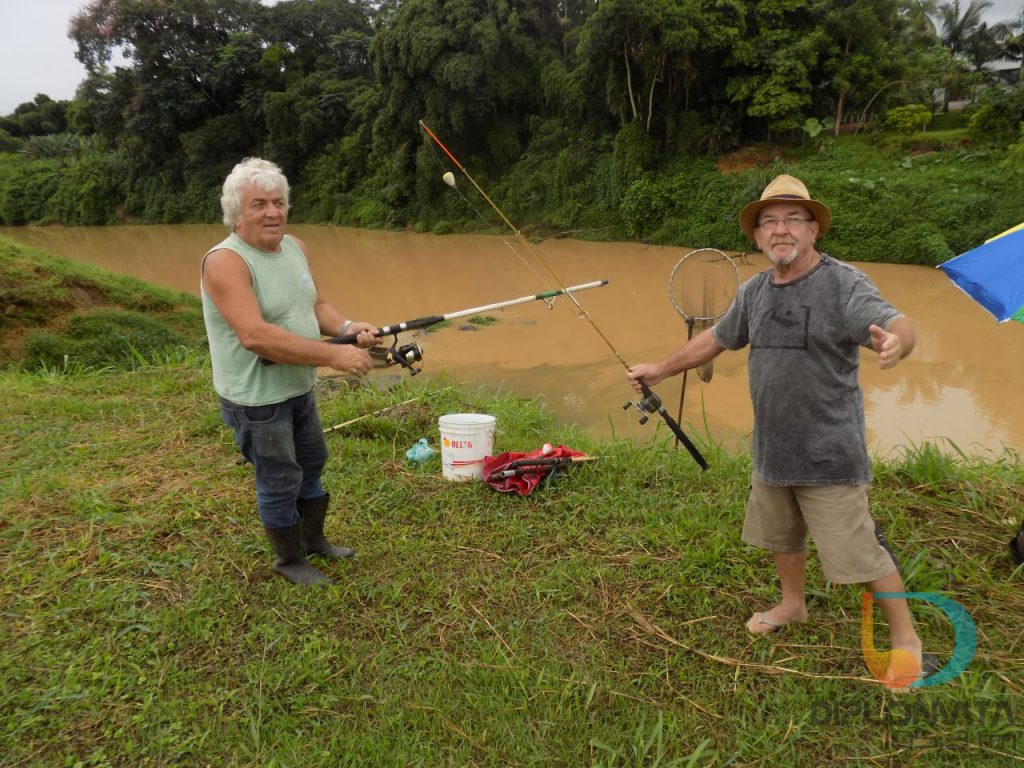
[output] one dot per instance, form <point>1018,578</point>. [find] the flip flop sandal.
<point>930,664</point>
<point>758,619</point>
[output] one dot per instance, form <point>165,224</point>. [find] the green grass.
<point>57,313</point>
<point>597,622</point>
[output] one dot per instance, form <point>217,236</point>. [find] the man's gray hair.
<point>266,176</point>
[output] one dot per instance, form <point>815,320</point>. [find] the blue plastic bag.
<point>420,452</point>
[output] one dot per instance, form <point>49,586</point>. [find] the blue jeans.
<point>285,443</point>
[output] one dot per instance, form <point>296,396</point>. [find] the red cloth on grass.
<point>524,483</point>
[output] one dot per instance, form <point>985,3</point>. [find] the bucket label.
<point>457,443</point>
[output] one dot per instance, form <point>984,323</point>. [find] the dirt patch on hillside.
<point>85,295</point>
<point>11,343</point>
<point>750,157</point>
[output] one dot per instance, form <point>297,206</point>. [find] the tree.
<point>1013,42</point>
<point>984,45</point>
<point>318,62</point>
<point>175,83</point>
<point>918,21</point>
<point>778,63</point>
<point>469,68</point>
<point>40,117</point>
<point>958,24</point>
<point>329,37</point>
<point>637,54</point>
<point>863,55</point>
<point>966,35</point>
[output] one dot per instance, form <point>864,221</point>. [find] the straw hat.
<point>783,189</point>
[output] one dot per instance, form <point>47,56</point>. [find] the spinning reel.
<point>648,404</point>
<point>406,355</point>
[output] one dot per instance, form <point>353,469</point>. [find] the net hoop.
<point>671,279</point>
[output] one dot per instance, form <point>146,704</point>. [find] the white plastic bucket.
<point>465,439</point>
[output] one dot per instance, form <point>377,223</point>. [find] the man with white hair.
<point>260,305</point>
<point>805,321</point>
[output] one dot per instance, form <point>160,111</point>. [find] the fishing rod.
<point>542,461</point>
<point>550,461</point>
<point>650,403</point>
<point>527,466</point>
<point>409,354</point>
<point>389,408</point>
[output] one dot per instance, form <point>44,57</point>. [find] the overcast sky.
<point>36,55</point>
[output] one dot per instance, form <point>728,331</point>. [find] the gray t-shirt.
<point>805,340</point>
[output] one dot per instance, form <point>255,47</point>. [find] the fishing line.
<point>650,403</point>
<point>543,280</point>
<point>526,244</point>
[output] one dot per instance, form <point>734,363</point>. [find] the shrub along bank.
<point>909,199</point>
<point>909,204</point>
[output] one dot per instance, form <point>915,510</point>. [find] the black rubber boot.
<point>291,560</point>
<point>1017,546</point>
<point>313,512</point>
<point>880,535</point>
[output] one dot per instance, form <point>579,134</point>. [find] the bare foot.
<point>776,618</point>
<point>904,666</point>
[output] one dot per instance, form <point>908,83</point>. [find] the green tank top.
<point>286,294</point>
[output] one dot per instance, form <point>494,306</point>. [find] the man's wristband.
<point>344,327</point>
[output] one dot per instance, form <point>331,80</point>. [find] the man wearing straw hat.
<point>805,321</point>
<point>261,305</point>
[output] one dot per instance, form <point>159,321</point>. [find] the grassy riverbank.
<point>55,312</point>
<point>597,622</point>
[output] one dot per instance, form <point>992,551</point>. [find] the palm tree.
<point>918,20</point>
<point>957,29</point>
<point>1013,43</point>
<point>985,44</point>
<point>965,34</point>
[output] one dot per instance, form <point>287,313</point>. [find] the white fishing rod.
<point>409,354</point>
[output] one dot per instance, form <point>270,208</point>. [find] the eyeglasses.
<point>791,222</point>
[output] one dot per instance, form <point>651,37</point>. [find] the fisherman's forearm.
<point>699,350</point>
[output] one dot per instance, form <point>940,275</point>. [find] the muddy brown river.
<point>959,387</point>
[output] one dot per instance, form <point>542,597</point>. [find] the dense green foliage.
<point>914,200</point>
<point>40,117</point>
<point>102,337</point>
<point>577,115</point>
<point>912,117</point>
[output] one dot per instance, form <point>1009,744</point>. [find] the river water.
<point>960,386</point>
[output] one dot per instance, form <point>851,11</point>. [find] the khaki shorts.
<point>779,518</point>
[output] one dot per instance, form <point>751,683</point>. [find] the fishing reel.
<point>406,355</point>
<point>648,404</point>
